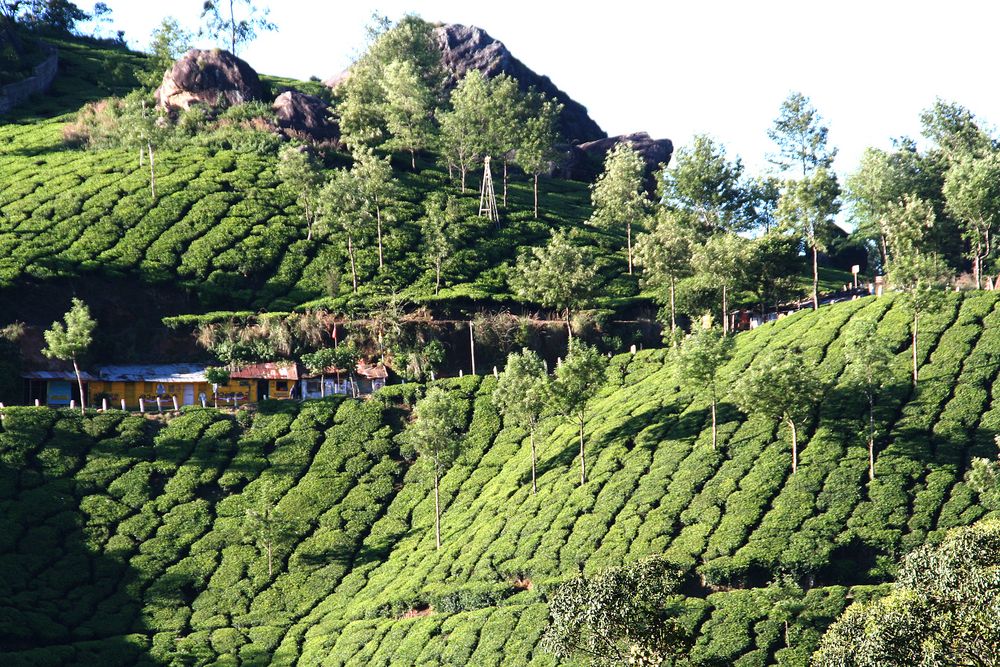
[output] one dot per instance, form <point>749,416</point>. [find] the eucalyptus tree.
<point>168,42</point>
<point>808,206</point>
<point>919,274</point>
<point>300,171</point>
<point>784,386</point>
<point>536,150</point>
<point>664,252</point>
<point>409,109</point>
<point>439,228</point>
<point>376,187</point>
<point>435,435</point>
<point>559,275</point>
<point>868,356</point>
<point>720,263</point>
<point>618,196</point>
<point>521,395</point>
<point>70,339</point>
<point>801,138</point>
<point>704,183</point>
<point>576,381</point>
<point>465,131</point>
<point>702,357</point>
<point>972,193</point>
<point>235,22</point>
<point>342,206</point>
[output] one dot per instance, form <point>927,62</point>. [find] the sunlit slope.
<point>127,540</point>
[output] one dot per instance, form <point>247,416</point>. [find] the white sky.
<point>675,69</point>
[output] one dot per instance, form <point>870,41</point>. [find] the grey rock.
<point>305,116</point>
<point>212,77</point>
<point>585,161</point>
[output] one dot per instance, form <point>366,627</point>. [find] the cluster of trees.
<point>395,98</point>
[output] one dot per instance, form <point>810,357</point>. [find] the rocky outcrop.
<point>305,116</point>
<point>586,160</point>
<point>468,47</point>
<point>210,77</point>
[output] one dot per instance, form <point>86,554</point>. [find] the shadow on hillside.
<point>66,598</point>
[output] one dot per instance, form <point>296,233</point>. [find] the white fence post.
<point>174,398</point>
<point>123,405</point>
<point>142,405</point>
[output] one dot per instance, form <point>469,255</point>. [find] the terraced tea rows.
<point>126,539</point>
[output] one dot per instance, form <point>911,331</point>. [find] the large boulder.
<point>468,47</point>
<point>305,116</point>
<point>210,77</point>
<point>585,161</point>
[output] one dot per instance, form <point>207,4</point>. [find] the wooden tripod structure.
<point>487,197</point>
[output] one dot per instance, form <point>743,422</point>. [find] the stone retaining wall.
<point>15,94</point>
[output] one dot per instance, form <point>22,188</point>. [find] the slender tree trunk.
<point>354,270</point>
<point>413,160</point>
<point>505,182</point>
<point>463,178</point>
<point>673,310</point>
<point>725,311</point>
<point>914,346</point>
<point>309,229</point>
<point>715,431</point>
<point>975,270</point>
<point>152,171</point>
<point>269,547</point>
<point>232,33</point>
<point>628,236</point>
<point>437,270</point>
<point>472,346</point>
<point>322,385</point>
<point>569,332</point>
<point>437,511</point>
<point>871,440</point>
<point>536,196</point>
<point>534,484</point>
<point>795,446</point>
<point>815,279</point>
<point>378,229</point>
<point>79,384</point>
<point>583,458</point>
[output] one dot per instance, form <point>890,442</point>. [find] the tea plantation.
<point>125,540</point>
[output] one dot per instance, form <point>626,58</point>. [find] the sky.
<point>676,69</point>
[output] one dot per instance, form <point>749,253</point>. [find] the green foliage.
<point>624,615</point>
<point>70,340</point>
<point>941,610</point>
<point>235,27</point>
<point>801,137</point>
<point>168,42</point>
<point>704,185</point>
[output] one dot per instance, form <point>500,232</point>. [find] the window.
<point>281,385</point>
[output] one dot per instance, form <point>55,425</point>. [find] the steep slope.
<point>126,539</point>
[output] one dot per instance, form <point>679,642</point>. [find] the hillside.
<point>125,542</point>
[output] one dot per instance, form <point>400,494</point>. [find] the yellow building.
<point>157,384</point>
<point>271,380</point>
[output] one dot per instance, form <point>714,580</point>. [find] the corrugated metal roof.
<point>372,372</point>
<point>57,375</point>
<point>285,370</point>
<point>187,373</point>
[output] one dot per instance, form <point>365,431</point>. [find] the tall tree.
<point>362,96</point>
<point>719,263</point>
<point>576,380</point>
<point>808,206</point>
<point>954,130</point>
<point>465,127</point>
<point>435,435</point>
<point>409,109</point>
<point>267,525</point>
<point>703,355</point>
<point>376,185</point>
<point>67,342</point>
<point>664,253</point>
<point>342,206</point>
<point>972,192</point>
<point>537,139</point>
<point>801,137</point>
<point>560,275</point>
<point>521,393</point>
<point>234,22</point>
<point>942,609</point>
<point>781,385</point>
<point>439,229</point>
<point>919,274</point>
<point>772,264</point>
<point>168,42</point>
<point>618,196</point>
<point>702,182</point>
<point>867,371</point>
<point>143,127</point>
<point>627,615</point>
<point>301,173</point>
